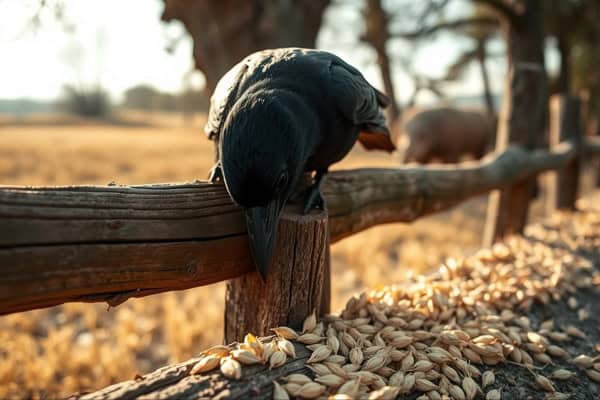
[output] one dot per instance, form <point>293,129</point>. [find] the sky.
<point>121,43</point>
<point>106,47</point>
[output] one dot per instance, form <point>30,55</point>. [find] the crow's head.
<point>263,153</point>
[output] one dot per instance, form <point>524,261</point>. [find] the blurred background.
<point>93,92</point>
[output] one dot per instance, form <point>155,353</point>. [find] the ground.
<point>61,350</point>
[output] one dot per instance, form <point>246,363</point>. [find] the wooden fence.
<point>110,243</point>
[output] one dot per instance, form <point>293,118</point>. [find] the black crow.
<point>283,112</point>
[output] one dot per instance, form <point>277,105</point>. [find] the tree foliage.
<point>145,97</point>
<point>86,101</point>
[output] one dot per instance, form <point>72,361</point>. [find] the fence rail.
<point>110,243</point>
<point>592,145</point>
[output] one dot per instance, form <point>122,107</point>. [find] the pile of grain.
<point>433,335</point>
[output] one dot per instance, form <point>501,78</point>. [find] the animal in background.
<point>279,114</point>
<point>447,134</point>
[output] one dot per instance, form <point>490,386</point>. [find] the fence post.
<point>295,283</point>
<point>326,293</point>
<point>565,124</point>
<point>584,98</point>
<point>520,122</point>
<point>591,127</point>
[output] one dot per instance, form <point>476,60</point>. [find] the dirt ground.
<point>515,382</point>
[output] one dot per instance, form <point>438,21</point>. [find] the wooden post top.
<point>295,283</point>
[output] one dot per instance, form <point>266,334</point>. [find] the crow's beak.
<point>262,229</point>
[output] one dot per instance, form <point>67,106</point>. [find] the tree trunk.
<point>225,31</point>
<point>564,77</point>
<point>377,35</point>
<point>485,79</point>
<point>393,110</point>
<point>523,113</point>
<point>565,124</point>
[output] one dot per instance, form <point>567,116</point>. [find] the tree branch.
<point>457,24</point>
<point>432,8</point>
<point>592,146</point>
<point>503,8</point>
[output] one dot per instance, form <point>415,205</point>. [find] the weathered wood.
<point>43,276</point>
<point>294,285</point>
<point>377,35</point>
<point>586,116</point>
<point>116,214</point>
<point>523,111</point>
<point>565,124</point>
<point>174,382</point>
<point>360,199</point>
<point>591,129</point>
<point>592,146</point>
<point>110,243</point>
<point>326,292</point>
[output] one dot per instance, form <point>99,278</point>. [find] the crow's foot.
<point>216,173</point>
<point>314,200</point>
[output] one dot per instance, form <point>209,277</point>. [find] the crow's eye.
<point>282,182</point>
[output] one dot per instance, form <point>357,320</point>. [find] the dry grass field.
<point>76,347</point>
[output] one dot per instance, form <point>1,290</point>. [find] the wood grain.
<point>565,124</point>
<point>363,198</point>
<point>175,382</point>
<point>108,243</point>
<point>101,214</point>
<point>294,285</point>
<point>43,276</point>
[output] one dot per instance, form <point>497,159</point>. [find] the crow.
<point>279,114</point>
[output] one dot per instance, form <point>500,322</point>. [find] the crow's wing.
<point>223,99</point>
<point>254,67</point>
<point>362,104</point>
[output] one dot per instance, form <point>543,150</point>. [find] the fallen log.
<point>175,382</point>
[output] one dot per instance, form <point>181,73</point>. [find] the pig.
<point>447,134</point>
